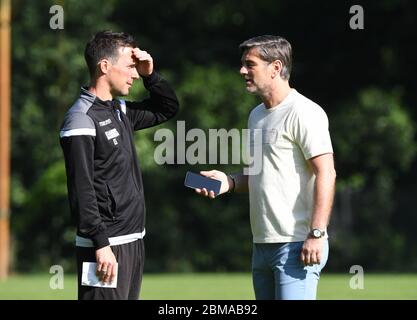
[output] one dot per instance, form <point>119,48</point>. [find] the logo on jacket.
<point>104,123</point>
<point>111,134</point>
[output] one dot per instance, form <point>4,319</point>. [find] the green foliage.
<point>43,224</point>
<point>374,142</point>
<point>195,43</point>
<point>213,96</point>
<point>374,134</point>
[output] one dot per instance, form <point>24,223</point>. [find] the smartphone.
<point>195,180</point>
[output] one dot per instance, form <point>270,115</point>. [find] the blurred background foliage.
<point>364,79</point>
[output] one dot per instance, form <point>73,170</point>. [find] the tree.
<point>374,142</point>
<point>195,44</point>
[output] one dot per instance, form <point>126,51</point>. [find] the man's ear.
<point>277,67</point>
<point>104,66</point>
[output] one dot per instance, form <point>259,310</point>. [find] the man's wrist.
<point>317,233</point>
<point>150,80</point>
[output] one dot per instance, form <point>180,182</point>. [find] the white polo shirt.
<point>281,195</point>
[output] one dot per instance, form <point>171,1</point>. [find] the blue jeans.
<point>278,272</point>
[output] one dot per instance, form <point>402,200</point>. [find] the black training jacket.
<point>104,180</point>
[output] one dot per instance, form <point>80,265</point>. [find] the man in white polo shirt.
<point>291,197</point>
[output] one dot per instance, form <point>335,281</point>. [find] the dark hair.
<point>105,44</point>
<point>271,48</point>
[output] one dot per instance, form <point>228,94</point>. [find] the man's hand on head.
<point>144,62</point>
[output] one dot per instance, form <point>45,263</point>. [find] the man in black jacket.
<point>104,180</point>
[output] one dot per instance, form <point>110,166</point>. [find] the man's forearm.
<point>324,190</point>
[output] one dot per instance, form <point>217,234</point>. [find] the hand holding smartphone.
<point>197,181</point>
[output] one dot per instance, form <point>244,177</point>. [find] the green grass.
<point>376,287</point>
<point>219,286</point>
<point>195,286</point>
<point>36,287</point>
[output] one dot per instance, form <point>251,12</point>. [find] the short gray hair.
<point>271,48</point>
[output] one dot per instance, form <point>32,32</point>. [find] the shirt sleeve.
<point>77,143</point>
<point>311,131</point>
<point>161,106</point>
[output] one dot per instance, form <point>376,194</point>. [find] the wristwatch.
<point>317,233</point>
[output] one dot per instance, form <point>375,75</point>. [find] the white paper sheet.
<point>89,277</point>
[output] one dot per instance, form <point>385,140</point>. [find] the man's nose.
<point>243,70</point>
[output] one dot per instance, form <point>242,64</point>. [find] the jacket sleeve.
<point>78,148</point>
<point>161,106</point>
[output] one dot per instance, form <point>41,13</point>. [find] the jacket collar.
<point>87,95</point>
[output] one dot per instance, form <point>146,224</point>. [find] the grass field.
<point>221,286</point>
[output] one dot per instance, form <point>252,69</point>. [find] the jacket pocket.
<point>111,202</point>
